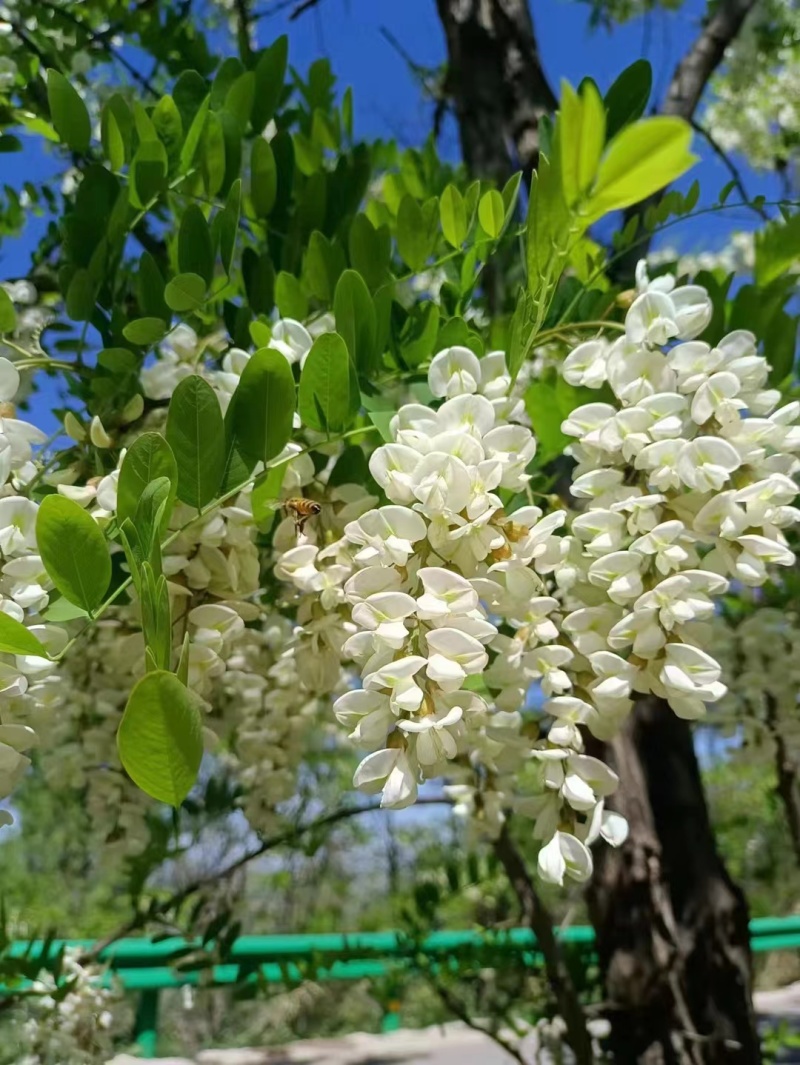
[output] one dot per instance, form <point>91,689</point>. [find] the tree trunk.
<point>672,927</point>
<point>497,84</point>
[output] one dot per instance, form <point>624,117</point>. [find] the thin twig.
<point>733,170</point>
<point>458,1011</point>
<point>289,836</point>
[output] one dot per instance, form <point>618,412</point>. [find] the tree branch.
<point>733,170</point>
<point>539,921</point>
<point>704,56</point>
<point>157,910</point>
<point>460,1013</point>
<point>787,787</point>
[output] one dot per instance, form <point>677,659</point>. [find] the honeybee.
<point>301,510</point>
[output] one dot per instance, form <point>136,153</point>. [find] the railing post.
<point>391,1017</point>
<point>145,1032</point>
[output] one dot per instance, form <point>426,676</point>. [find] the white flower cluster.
<point>77,1029</point>
<point>441,596</point>
<point>686,479</point>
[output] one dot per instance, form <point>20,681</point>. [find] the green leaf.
<point>74,551</point>
<point>239,100</point>
<point>291,300</point>
<point>8,316</point>
<point>263,178</point>
<point>193,138</point>
<point>491,213</point>
<point>266,492</point>
<point>150,288</point>
<point>15,639</point>
<point>259,280</point>
<point>544,411</point>
<point>160,738</point>
<point>322,266</point>
<point>270,71</point>
<point>328,398</point>
<point>81,296</point>
<point>370,250</point>
<point>627,98</point>
<point>145,331</point>
<point>415,239</point>
<point>196,434</point>
<point>263,405</point>
<point>228,225</point>
<point>148,458</point>
<point>148,173</point>
<point>777,249</point>
<point>212,154</point>
<point>168,124</point>
<point>453,214</point>
<point>151,519</point>
<point>582,134</point>
<point>640,160</point>
<point>195,249</point>
<point>68,112</point>
<point>355,320</point>
<point>186,292</point>
<point>418,339</point>
<point>116,131</point>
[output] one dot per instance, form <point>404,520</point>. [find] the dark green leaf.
<point>239,100</point>
<point>415,237</point>
<point>290,298</point>
<point>81,296</point>
<point>270,71</point>
<point>148,174</point>
<point>150,288</point>
<point>196,434</point>
<point>116,131</point>
<point>160,738</point>
<point>228,225</point>
<point>259,280</point>
<point>73,551</point>
<point>263,178</point>
<point>626,100</point>
<point>195,250</point>
<point>212,154</point>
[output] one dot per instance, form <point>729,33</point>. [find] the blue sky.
<point>389,102</point>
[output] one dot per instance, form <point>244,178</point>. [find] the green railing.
<point>147,967</point>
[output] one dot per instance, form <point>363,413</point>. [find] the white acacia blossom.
<point>683,481</point>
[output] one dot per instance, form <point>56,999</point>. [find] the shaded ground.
<point>452,1044</point>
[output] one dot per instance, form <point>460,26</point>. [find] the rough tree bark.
<point>672,926</point>
<point>496,82</point>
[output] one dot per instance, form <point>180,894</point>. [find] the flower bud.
<point>98,435</point>
<point>73,428</point>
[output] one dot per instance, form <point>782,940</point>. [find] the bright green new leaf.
<point>195,248</point>
<point>239,100</point>
<point>270,71</point>
<point>145,331</point>
<point>777,249</point>
<point>355,319</point>
<point>148,458</point>
<point>16,639</point>
<point>68,112</point>
<point>263,178</point>
<point>196,434</point>
<point>193,137</point>
<point>544,411</point>
<point>627,98</point>
<point>160,738</point>
<point>186,292</point>
<point>211,153</point>
<point>263,405</point>
<point>8,316</point>
<point>582,134</point>
<point>116,127</point>
<point>453,214</point>
<point>148,174</point>
<point>328,398</point>
<point>73,551</point>
<point>640,160</point>
<point>491,213</point>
